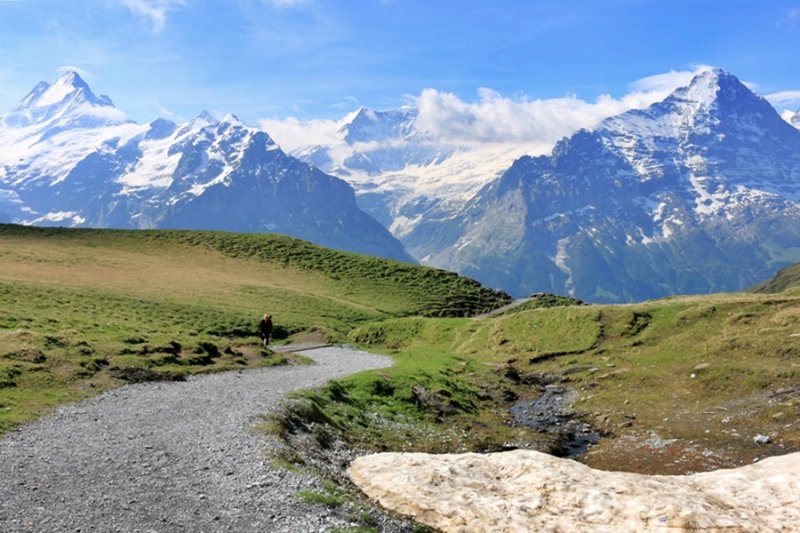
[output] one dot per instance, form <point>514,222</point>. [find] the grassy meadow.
<point>85,310</point>
<point>676,385</point>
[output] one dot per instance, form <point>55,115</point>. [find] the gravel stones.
<point>163,457</point>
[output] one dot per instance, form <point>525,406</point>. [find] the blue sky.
<point>274,59</point>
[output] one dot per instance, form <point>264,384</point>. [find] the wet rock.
<point>762,439</point>
<point>551,413</point>
<point>429,399</point>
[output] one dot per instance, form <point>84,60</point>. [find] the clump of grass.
<point>329,495</point>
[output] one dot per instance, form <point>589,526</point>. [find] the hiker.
<point>265,329</point>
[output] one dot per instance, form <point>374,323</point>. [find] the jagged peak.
<point>69,87</point>
<point>365,124</point>
<point>231,119</point>
<point>72,78</point>
<point>68,101</point>
<point>361,111</point>
<point>711,86</point>
<point>360,114</point>
<point>366,115</point>
<point>710,97</point>
<point>205,116</point>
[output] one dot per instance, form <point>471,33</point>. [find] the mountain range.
<point>70,157</point>
<point>696,193</point>
<point>402,173</point>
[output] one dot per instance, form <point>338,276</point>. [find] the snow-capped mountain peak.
<point>705,87</point>
<point>69,89</point>
<point>696,193</point>
<point>713,105</point>
<point>367,125</point>
<point>67,103</point>
<point>205,116</point>
<point>68,157</point>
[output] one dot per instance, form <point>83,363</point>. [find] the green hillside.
<point>786,278</point>
<point>83,310</point>
<point>672,386</point>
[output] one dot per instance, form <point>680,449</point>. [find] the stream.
<point>551,413</point>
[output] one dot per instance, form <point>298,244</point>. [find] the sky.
<point>508,69</point>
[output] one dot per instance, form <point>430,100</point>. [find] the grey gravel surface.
<point>163,457</point>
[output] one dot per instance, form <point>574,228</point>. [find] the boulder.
<point>524,490</point>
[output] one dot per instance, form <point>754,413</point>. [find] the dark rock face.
<point>698,193</point>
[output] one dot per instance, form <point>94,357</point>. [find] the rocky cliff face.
<point>695,194</point>
<point>71,158</point>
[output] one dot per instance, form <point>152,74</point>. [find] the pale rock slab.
<point>525,490</point>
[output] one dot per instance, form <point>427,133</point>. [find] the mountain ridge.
<point>653,202</point>
<point>72,158</point>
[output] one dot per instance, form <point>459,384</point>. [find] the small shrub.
<point>337,392</point>
<point>299,415</point>
<point>323,435</point>
<point>197,359</point>
<point>330,495</point>
<point>165,359</point>
<point>30,355</point>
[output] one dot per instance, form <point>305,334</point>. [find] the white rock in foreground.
<point>525,490</point>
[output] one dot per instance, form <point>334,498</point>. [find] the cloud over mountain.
<point>497,118</point>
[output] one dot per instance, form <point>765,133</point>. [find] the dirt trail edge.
<point>166,457</point>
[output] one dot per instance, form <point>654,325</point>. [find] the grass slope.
<point>84,310</point>
<point>786,278</point>
<point>676,385</point>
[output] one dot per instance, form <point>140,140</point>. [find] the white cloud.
<point>784,98</point>
<point>153,10</point>
<point>67,68</point>
<point>668,81</point>
<point>292,133</point>
<point>495,118</point>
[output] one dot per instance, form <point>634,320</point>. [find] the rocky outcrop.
<point>524,490</point>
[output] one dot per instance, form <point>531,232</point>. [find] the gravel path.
<point>166,457</point>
